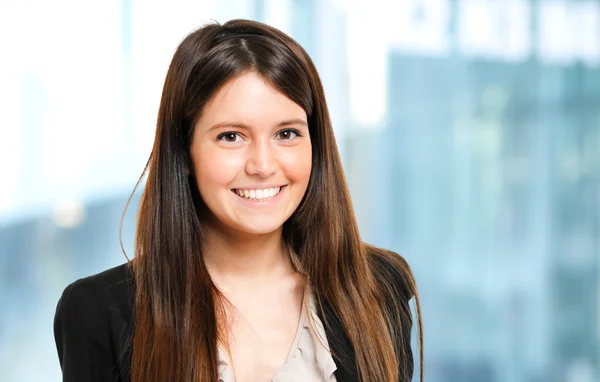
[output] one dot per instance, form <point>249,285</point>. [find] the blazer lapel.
<point>341,348</point>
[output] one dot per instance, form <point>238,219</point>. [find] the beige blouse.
<point>308,360</point>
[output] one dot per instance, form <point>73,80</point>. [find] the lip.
<point>260,203</point>
<point>259,187</point>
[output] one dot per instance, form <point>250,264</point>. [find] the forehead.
<point>250,99</point>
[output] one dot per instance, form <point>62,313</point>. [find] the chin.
<point>256,226</point>
<point>259,229</point>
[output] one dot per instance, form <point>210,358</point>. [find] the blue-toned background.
<point>469,130</point>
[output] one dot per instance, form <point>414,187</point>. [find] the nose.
<point>262,160</point>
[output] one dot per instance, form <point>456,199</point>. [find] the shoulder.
<point>115,277</point>
<point>98,303</point>
<point>111,285</point>
<point>392,273</point>
<point>92,325</point>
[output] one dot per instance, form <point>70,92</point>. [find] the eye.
<point>229,137</point>
<point>288,134</point>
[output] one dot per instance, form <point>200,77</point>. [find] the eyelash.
<point>294,131</point>
<point>291,131</point>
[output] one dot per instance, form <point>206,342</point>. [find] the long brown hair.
<point>176,331</point>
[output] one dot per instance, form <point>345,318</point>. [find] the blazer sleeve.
<point>400,297</point>
<point>82,338</point>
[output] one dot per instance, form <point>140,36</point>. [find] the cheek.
<point>297,165</point>
<point>215,169</point>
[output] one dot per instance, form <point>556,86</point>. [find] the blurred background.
<point>469,131</point>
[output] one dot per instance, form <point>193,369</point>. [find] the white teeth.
<point>255,194</point>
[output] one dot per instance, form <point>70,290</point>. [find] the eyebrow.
<point>287,122</point>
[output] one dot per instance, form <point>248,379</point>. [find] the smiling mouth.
<point>258,195</point>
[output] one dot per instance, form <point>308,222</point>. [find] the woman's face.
<point>251,155</point>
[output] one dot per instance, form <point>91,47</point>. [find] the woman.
<point>248,262</point>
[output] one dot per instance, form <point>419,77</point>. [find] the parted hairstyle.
<point>176,304</point>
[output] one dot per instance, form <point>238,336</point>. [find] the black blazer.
<point>93,323</point>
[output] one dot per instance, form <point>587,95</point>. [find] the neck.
<point>240,259</point>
